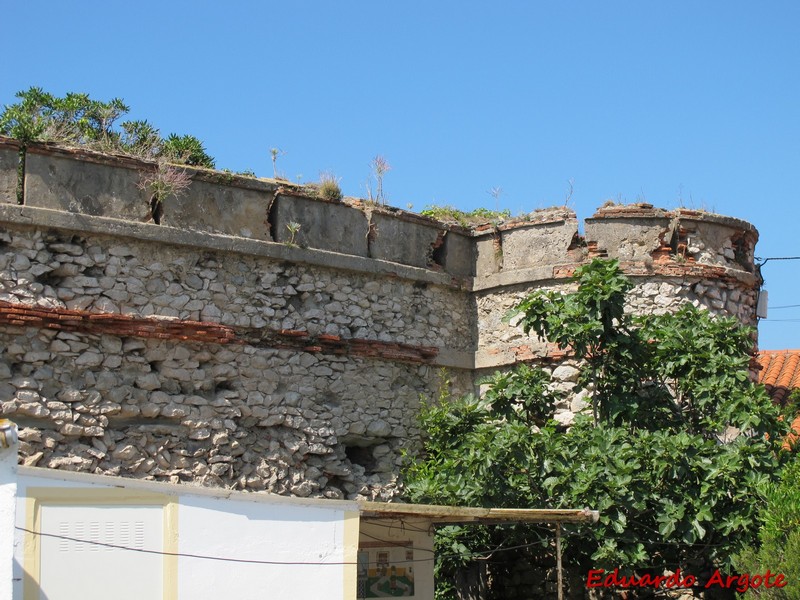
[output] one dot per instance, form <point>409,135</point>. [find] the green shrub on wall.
<point>76,119</point>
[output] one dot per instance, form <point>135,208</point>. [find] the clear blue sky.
<point>679,102</point>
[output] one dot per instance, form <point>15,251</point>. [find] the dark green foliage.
<point>76,119</point>
<point>73,119</point>
<point>478,216</point>
<point>522,394</point>
<point>674,483</point>
<point>779,536</point>
<point>141,139</point>
<point>186,150</point>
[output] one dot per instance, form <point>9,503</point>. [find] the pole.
<point>558,563</point>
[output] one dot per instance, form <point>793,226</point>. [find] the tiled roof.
<point>780,372</point>
<point>793,437</point>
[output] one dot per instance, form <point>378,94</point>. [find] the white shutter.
<point>81,570</point>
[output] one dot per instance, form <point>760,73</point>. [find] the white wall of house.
<point>8,490</point>
<point>181,542</point>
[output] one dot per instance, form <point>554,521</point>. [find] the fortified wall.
<point>208,339</point>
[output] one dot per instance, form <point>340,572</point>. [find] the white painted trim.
<point>172,489</point>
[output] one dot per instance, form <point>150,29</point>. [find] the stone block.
<point>537,244</point>
<point>458,254</point>
<point>9,157</point>
<point>403,240</point>
<point>629,232</point>
<point>221,203</point>
<point>718,240</point>
<point>629,238</point>
<point>323,225</point>
<point>488,255</point>
<point>85,182</point>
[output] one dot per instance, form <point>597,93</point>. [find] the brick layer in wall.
<point>61,319</point>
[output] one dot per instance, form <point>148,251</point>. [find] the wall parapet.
<point>85,182</point>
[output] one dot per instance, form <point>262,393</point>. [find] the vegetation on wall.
<point>328,188</point>
<point>76,119</point>
<point>479,216</point>
<point>678,444</point>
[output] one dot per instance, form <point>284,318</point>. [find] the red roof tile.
<point>780,372</point>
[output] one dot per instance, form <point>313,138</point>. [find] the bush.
<point>186,150</point>
<point>779,537</point>
<point>329,188</point>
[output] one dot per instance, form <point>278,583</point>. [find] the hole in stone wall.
<point>50,279</point>
<point>361,455</point>
<point>497,244</point>
<point>372,234</point>
<point>156,209</point>
<point>272,219</point>
<point>578,248</point>
<point>94,271</point>
<point>223,386</point>
<point>437,252</point>
<point>295,303</point>
<point>742,252</point>
<point>150,424</point>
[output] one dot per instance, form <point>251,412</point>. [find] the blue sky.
<point>672,103</point>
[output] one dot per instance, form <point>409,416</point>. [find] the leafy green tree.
<point>678,443</point>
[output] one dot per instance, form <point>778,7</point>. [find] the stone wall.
<point>209,343</point>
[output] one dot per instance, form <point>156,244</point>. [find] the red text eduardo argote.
<point>599,578</point>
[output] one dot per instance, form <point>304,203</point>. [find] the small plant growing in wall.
<point>495,193</point>
<point>166,181</point>
<point>329,188</point>
<point>274,154</point>
<point>294,228</point>
<point>380,166</point>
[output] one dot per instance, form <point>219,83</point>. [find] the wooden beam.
<point>460,514</point>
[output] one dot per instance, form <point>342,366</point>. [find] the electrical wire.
<point>180,554</point>
<point>779,321</point>
<point>763,261</point>
<point>479,555</point>
<point>272,562</point>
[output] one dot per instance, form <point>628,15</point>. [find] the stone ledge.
<point>562,272</point>
<point>92,156</point>
<point>11,143</point>
<point>495,357</point>
<point>41,217</point>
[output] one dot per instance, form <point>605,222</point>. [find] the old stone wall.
<point>215,366</point>
<point>208,342</point>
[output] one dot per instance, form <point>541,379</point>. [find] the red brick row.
<point>62,319</point>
